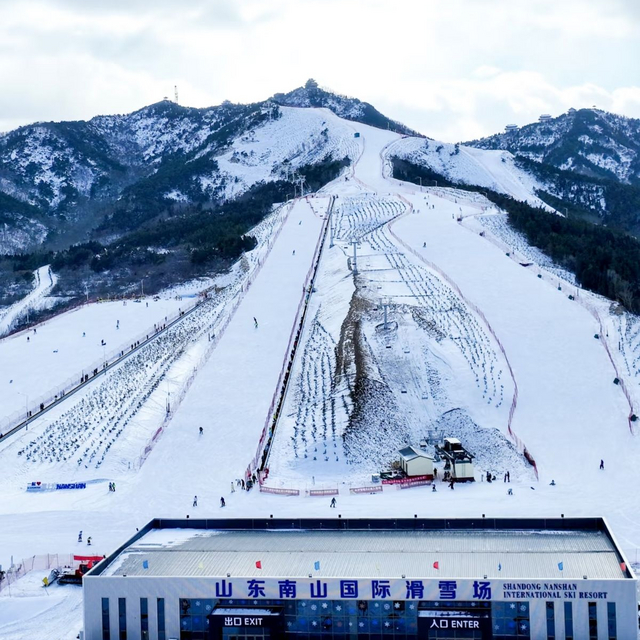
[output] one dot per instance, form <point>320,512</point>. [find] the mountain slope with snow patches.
<point>590,142</point>
<point>72,175</point>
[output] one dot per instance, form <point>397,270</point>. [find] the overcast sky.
<point>452,69</point>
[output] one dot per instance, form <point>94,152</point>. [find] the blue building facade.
<point>209,580</point>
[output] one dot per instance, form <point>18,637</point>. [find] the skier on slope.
<point>80,536</point>
<point>255,322</point>
<point>333,503</point>
<point>195,501</point>
<point>201,430</point>
<point>222,502</point>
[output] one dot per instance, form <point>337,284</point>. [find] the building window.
<point>106,630</point>
<point>568,620</point>
<point>122,618</point>
<point>144,618</point>
<point>551,621</point>
<point>593,621</point>
<point>160,608</point>
<point>510,619</point>
<point>611,620</point>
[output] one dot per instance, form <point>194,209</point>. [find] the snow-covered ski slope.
<point>65,347</point>
<point>494,170</point>
<point>477,345</point>
<point>276,149</point>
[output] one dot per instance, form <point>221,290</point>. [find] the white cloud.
<point>454,69</point>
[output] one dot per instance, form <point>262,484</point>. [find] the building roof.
<point>411,453</point>
<point>464,550</point>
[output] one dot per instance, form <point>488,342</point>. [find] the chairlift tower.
<point>300,181</point>
<point>385,303</point>
<point>354,242</point>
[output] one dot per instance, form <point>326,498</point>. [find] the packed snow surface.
<point>476,345</point>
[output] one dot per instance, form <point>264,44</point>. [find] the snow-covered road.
<point>45,280</point>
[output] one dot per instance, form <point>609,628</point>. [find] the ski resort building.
<point>336,578</point>
<point>415,462</point>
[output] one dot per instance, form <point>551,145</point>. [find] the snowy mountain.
<point>590,142</point>
<point>311,95</point>
<point>64,170</point>
<point>586,163</point>
<point>62,176</point>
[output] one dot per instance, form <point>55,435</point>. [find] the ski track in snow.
<point>438,370</point>
<point>45,281</point>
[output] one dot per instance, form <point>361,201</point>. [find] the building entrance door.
<point>246,623</point>
<point>454,625</point>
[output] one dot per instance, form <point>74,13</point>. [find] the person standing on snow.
<point>89,541</point>
<point>195,501</point>
<point>255,322</point>
<point>601,464</point>
<point>222,502</point>
<point>333,503</point>
<point>80,536</point>
<point>201,430</point>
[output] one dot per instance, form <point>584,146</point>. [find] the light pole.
<point>26,409</point>
<point>420,178</point>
